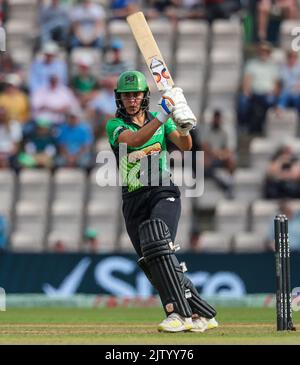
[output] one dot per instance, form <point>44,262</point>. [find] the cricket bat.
<point>149,49</point>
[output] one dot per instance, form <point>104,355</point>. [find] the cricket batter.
<point>152,212</point>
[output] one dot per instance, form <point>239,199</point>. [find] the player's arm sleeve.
<point>113,130</point>
<point>169,126</point>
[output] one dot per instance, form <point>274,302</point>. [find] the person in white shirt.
<point>87,25</point>
<point>10,136</point>
<point>53,101</point>
<point>260,89</point>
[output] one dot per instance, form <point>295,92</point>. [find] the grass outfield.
<point>137,326</point>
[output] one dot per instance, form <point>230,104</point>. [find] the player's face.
<point>132,101</point>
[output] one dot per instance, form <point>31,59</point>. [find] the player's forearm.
<point>139,138</point>
<point>185,143</point>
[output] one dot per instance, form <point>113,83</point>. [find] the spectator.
<point>75,141</point>
<point>14,100</point>
<point>220,9</point>
<point>114,64</point>
<point>260,90</point>
<point>40,150</point>
<point>293,215</point>
<point>48,64</point>
<point>10,137</point>
<point>84,82</point>
<point>91,242</point>
<point>3,233</point>
<point>8,66</point>
<point>168,8</point>
<point>120,9</point>
<point>215,143</point>
<point>266,9</point>
<point>53,101</point>
<point>290,78</point>
<point>54,22</point>
<point>87,25</point>
<point>4,11</point>
<point>283,175</point>
<point>103,106</point>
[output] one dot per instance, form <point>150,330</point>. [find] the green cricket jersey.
<point>131,166</point>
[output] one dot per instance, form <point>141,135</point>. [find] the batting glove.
<point>184,119</point>
<point>169,101</point>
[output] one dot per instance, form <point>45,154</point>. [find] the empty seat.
<point>285,125</point>
<point>30,221</point>
<point>215,242</point>
<point>192,35</point>
<point>227,34</point>
<point>105,198</point>
<point>163,33</point>
<point>67,219</point>
<point>24,241</point>
<point>221,94</point>
<point>246,242</point>
<point>263,211</point>
<point>211,195</point>
<point>261,151</point>
<point>34,186</point>
<point>68,240</point>
<point>7,191</point>
<point>105,227</point>
<point>69,186</point>
<point>231,216</point>
<point>248,184</point>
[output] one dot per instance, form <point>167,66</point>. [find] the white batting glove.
<point>170,99</point>
<point>184,119</point>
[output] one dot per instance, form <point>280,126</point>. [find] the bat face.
<point>149,49</point>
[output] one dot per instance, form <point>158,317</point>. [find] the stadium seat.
<point>214,242</point>
<point>220,94</point>
<point>262,213</point>
<point>66,219</point>
<point>105,225</point>
<point>34,186</point>
<point>7,191</point>
<point>248,184</point>
<point>247,242</point>
<point>279,127</point>
<point>211,195</point>
<point>24,241</point>
<point>30,220</point>
<point>227,34</point>
<point>69,186</point>
<point>231,216</point>
<point>163,33</point>
<point>261,151</point>
<point>69,240</point>
<point>192,35</point>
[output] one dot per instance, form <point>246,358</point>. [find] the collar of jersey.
<point>149,117</point>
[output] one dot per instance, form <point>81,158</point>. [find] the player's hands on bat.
<point>184,119</point>
<point>170,100</point>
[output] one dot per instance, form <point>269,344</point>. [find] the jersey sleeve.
<point>113,129</point>
<point>169,126</point>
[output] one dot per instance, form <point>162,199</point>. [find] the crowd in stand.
<point>53,116</point>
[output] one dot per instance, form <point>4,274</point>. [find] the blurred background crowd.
<point>238,63</point>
